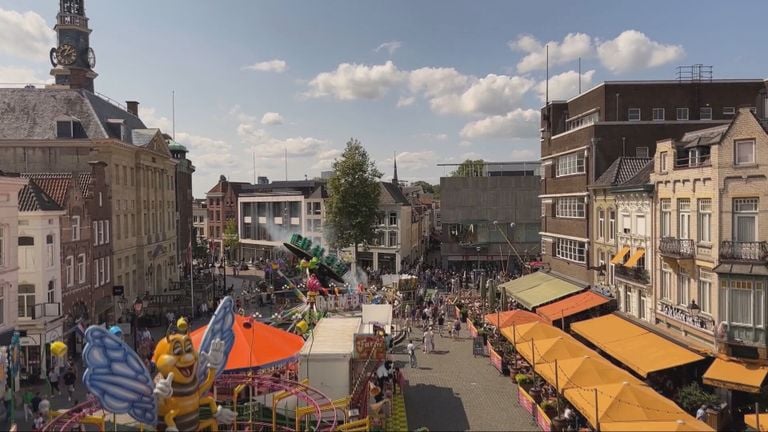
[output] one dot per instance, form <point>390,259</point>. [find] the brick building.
<point>222,207</point>
<point>184,201</point>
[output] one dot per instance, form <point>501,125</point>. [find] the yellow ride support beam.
<point>338,404</point>
<point>277,397</point>
<point>362,425</point>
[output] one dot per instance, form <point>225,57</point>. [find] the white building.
<point>39,289</point>
<point>200,219</point>
<point>9,258</point>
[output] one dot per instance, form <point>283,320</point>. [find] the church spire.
<point>394,179</point>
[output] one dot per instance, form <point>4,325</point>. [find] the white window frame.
<point>663,161</point>
<point>50,250</point>
<point>75,228</point>
<point>683,288</point>
<point>684,218</point>
<point>107,271</point>
<point>739,144</point>
<point>657,117</point>
<point>24,300</point>
<point>2,246</point>
<point>50,295</point>
<point>601,224</point>
<point>705,292</point>
<point>682,113</point>
<point>638,231</point>
<point>570,207</point>
<point>729,110</point>
<point>106,231</point>
<point>642,152</point>
<point>571,250</point>
<point>611,224</point>
<point>666,282</point>
<point>70,270</point>
<point>571,164</point>
<point>81,268</point>
<point>95,281</point>
<point>704,220</point>
<point>745,208</point>
<point>633,114</point>
<point>665,222</point>
<point>95,233</point>
<point>702,111</point>
<point>756,310</point>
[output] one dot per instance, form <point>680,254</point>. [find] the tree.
<point>353,198</point>
<point>231,239</point>
<point>470,168</point>
<point>426,187</point>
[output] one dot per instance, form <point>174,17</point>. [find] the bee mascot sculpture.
<point>171,401</point>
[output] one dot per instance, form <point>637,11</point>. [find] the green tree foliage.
<point>692,396</point>
<point>469,168</point>
<point>426,187</point>
<point>231,239</point>
<point>353,203</point>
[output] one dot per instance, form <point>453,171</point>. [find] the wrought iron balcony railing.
<point>756,251</point>
<point>677,248</point>
<point>684,315</point>
<point>635,274</point>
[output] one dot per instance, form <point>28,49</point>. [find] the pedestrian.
<point>27,399</point>
<point>440,323</point>
<point>456,328</point>
<point>411,348</point>
<point>69,382</point>
<point>36,402</point>
<point>701,413</point>
<point>430,340</point>
<point>424,337</point>
<point>38,422</point>
<point>53,378</point>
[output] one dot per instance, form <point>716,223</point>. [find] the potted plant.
<point>464,313</point>
<point>524,381</point>
<point>692,396</point>
<point>549,407</point>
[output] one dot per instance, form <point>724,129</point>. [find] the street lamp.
<point>223,270</point>
<point>694,309</point>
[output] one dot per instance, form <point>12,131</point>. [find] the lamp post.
<point>694,309</point>
<point>223,270</point>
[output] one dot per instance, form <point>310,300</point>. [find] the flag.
<point>81,328</point>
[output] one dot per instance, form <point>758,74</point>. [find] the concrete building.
<point>269,213</point>
<point>581,137</point>
<point>711,278</point>
<point>9,257</point>
<point>40,318</point>
<point>623,248</point>
<point>479,213</point>
<point>64,126</point>
<point>200,219</point>
<point>184,200</point>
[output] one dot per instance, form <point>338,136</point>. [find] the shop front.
<point>35,358</point>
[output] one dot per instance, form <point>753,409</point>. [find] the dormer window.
<point>70,129</point>
<point>116,128</point>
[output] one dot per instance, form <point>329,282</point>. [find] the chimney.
<point>133,107</point>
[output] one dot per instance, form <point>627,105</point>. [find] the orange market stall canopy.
<point>735,375</point>
<point>758,424</point>
<point>562,347</point>
<point>583,372</point>
<point>512,317</point>
<point>656,426</point>
<point>257,345</point>
<point>637,348</point>
<point>571,306</point>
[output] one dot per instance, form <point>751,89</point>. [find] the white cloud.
<point>271,119</point>
<point>573,46</point>
<point>390,46</point>
<point>465,143</point>
<point>434,82</point>
<point>494,94</point>
<point>564,85</point>
<point>634,50</point>
<point>524,155</point>
<point>415,160</point>
<point>355,81</point>
<point>433,136</point>
<point>274,65</point>
<point>25,35</point>
<point>267,146</point>
<point>324,159</point>
<point>405,101</point>
<point>515,124</point>
<point>18,77</point>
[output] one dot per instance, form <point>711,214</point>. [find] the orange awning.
<point>635,258</point>
<point>657,426</point>
<point>619,257</point>
<point>735,375</point>
<point>571,305</point>
<point>257,347</point>
<point>751,420</point>
<point>507,318</point>
<point>548,350</point>
<point>532,330</point>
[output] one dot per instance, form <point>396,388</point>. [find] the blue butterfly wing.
<point>220,327</point>
<point>117,376</point>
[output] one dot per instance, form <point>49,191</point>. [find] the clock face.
<point>91,58</point>
<point>66,54</point>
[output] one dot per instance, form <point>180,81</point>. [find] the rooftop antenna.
<point>546,91</point>
<point>173,113</point>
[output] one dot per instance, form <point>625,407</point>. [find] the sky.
<point>433,81</point>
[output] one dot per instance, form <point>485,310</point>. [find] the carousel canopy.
<point>257,345</point>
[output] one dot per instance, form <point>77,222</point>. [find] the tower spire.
<point>394,179</point>
<point>73,59</point>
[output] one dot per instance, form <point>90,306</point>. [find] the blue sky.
<point>435,81</point>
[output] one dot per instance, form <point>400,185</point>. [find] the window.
<point>663,160</point>
<point>570,207</point>
<point>95,233</point>
<point>684,221</point>
<point>643,306</point>
<point>393,219</point>
<point>666,282</point>
<point>570,164</point>
<point>666,217</point>
<point>729,110</point>
<point>745,152</point>
<point>117,225</point>
<point>101,232</point>
<point>393,238</point>
<point>640,228</point>
<point>705,220</point>
<point>705,113</point>
<point>106,231</point>
<point>102,270</point>
<point>611,224</point>
<point>50,251</point>
<point>626,224</point>
<point>745,301</point>
<point>70,270</point>
<point>26,301</point>
<point>682,113</point>
<point>571,250</point>
<point>64,129</point>
<point>51,292</point>
<point>601,224</point>
<point>95,281</point>
<point>682,288</point>
<point>101,200</point>
<point>107,272</point>
<point>581,121</point>
<point>75,228</point>
<point>658,114</point>
<point>2,247</point>
<point>705,292</point>
<point>642,152</point>
<point>633,114</point>
<point>81,268</point>
<point>745,219</point>
<point>2,306</point>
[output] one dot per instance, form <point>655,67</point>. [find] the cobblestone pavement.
<point>452,390</point>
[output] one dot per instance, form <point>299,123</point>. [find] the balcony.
<point>633,274</point>
<point>744,251</point>
<point>676,248</point>
<point>47,310</point>
<point>683,315</point>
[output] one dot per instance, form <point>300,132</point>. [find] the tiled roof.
<point>391,194</point>
<point>33,198</point>
<point>85,184</point>
<point>643,177</point>
<point>55,185</point>
<point>621,170</point>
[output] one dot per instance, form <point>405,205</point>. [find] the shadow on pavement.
<point>424,402</point>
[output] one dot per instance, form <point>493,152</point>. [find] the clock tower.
<point>73,59</point>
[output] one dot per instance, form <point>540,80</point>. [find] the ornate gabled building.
<point>65,126</point>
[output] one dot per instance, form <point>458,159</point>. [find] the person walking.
<point>440,323</point>
<point>411,348</point>
<point>430,340</point>
<point>27,399</point>
<point>456,328</point>
<point>53,378</point>
<point>424,343</point>
<point>69,382</point>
